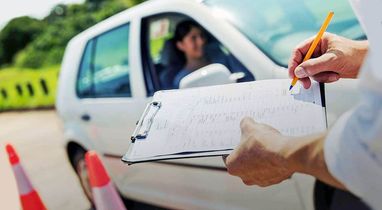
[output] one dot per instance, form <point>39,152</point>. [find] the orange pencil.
<point>315,43</point>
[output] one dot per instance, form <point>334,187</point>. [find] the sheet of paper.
<point>208,118</point>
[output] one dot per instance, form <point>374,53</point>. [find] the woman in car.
<point>194,49</point>
<point>189,40</point>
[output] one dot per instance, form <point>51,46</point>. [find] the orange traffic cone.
<point>105,196</point>
<point>30,200</point>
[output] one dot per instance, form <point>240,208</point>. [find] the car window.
<point>111,63</point>
<point>105,69</point>
<point>159,31</point>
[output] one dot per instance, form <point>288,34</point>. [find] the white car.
<point>111,70</point>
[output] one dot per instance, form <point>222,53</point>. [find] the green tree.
<point>48,48</point>
<point>58,12</point>
<point>95,4</point>
<point>16,35</point>
<point>63,24</point>
<point>135,2</point>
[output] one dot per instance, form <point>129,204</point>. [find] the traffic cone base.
<point>105,195</point>
<point>109,194</point>
<point>30,200</point>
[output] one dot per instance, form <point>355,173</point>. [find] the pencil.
<point>315,43</point>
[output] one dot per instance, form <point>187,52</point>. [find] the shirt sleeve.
<point>353,149</point>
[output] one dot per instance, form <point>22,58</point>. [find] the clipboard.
<point>156,111</point>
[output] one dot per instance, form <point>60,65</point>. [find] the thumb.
<point>247,125</point>
<point>315,66</point>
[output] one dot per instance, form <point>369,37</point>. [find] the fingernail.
<point>300,72</point>
<point>333,78</point>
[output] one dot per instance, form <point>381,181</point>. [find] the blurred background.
<point>33,44</point>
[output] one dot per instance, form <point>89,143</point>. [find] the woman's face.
<point>192,44</point>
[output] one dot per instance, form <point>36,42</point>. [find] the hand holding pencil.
<point>314,44</point>
<point>334,57</point>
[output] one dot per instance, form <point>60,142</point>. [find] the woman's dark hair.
<point>181,30</point>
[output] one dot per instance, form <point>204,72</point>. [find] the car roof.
<point>121,17</point>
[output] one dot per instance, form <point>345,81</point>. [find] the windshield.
<point>277,26</point>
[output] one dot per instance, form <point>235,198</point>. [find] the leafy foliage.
<point>43,42</point>
<point>17,34</point>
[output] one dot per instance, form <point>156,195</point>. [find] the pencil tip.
<point>290,87</point>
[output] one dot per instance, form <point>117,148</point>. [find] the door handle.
<point>85,117</point>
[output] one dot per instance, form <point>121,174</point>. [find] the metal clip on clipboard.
<point>146,118</point>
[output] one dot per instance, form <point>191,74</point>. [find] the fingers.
<point>326,77</point>
<point>298,54</point>
<point>315,66</point>
<point>294,62</point>
<point>311,68</point>
<point>230,163</point>
<point>306,83</point>
<point>247,125</point>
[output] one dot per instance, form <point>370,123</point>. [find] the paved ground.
<point>37,137</point>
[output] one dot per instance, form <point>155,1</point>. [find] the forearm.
<point>306,155</point>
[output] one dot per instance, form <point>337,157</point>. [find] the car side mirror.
<point>213,74</point>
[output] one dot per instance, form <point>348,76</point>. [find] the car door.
<point>110,106</point>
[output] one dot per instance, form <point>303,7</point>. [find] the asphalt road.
<point>37,137</point>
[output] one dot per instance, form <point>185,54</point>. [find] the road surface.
<point>37,137</point>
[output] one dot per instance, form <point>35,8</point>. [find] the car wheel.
<point>79,165</point>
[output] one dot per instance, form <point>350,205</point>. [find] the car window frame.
<point>79,69</point>
<point>148,68</point>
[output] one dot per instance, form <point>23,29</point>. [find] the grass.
<point>27,88</point>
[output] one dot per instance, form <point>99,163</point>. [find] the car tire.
<point>78,162</point>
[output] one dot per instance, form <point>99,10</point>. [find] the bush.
<point>29,58</point>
